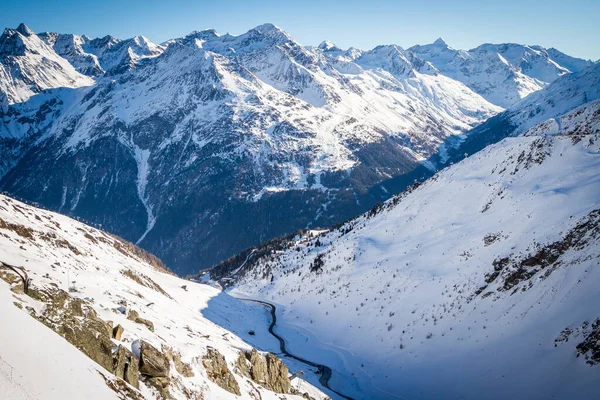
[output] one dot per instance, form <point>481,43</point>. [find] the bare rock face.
<point>126,366</point>
<point>153,363</point>
<point>79,324</point>
<point>216,368</point>
<point>258,371</point>
<point>277,377</point>
<point>241,365</point>
<point>268,371</point>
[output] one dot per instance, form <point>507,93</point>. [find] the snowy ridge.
<point>502,73</point>
<point>493,257</point>
<point>28,66</point>
<point>113,278</point>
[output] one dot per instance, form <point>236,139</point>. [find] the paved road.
<point>325,370</point>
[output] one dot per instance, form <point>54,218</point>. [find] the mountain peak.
<point>267,27</point>
<point>440,42</point>
<point>24,30</point>
<point>271,30</point>
<point>326,45</point>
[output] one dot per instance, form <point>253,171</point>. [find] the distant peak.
<point>326,45</point>
<point>440,42</point>
<point>267,27</point>
<point>272,30</point>
<point>24,30</point>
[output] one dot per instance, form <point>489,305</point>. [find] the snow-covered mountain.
<point>481,282</point>
<point>502,73</point>
<point>208,144</point>
<point>95,57</point>
<point>255,134</point>
<point>28,66</point>
<point>103,319</point>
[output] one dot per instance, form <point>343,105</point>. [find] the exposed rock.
<point>590,346</point>
<point>135,317</point>
<point>119,387</point>
<point>258,371</point>
<point>78,323</point>
<point>241,365</point>
<point>126,366</point>
<point>217,371</point>
<point>109,327</point>
<point>153,363</point>
<point>117,332</point>
<point>183,368</point>
<point>89,336</point>
<point>268,371</point>
<point>277,376</point>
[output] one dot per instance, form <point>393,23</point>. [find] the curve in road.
<point>325,370</point>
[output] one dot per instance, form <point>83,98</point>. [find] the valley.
<point>225,216</point>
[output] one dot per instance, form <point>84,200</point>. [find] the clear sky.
<point>572,26</point>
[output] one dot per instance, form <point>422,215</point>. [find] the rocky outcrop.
<point>153,362</point>
<point>155,368</point>
<point>78,323</point>
<point>241,365</point>
<point>277,374</point>
<point>174,356</point>
<point>135,317</point>
<point>258,370</point>
<point>218,372</point>
<point>126,366</point>
<point>268,371</point>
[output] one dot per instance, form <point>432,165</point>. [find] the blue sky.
<point>570,25</point>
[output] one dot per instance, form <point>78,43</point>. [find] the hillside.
<point>484,277</point>
<point>103,319</point>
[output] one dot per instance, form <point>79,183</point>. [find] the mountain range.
<point>386,224</point>
<point>205,145</point>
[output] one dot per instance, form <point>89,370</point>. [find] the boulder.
<point>153,363</point>
<point>117,332</point>
<point>218,372</point>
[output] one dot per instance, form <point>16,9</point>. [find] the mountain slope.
<point>484,277</point>
<point>561,96</point>
<point>256,134</point>
<point>28,66</point>
<point>83,283</point>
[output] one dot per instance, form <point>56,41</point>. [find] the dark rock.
<point>153,363</point>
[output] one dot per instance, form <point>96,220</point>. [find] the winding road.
<point>325,370</point>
